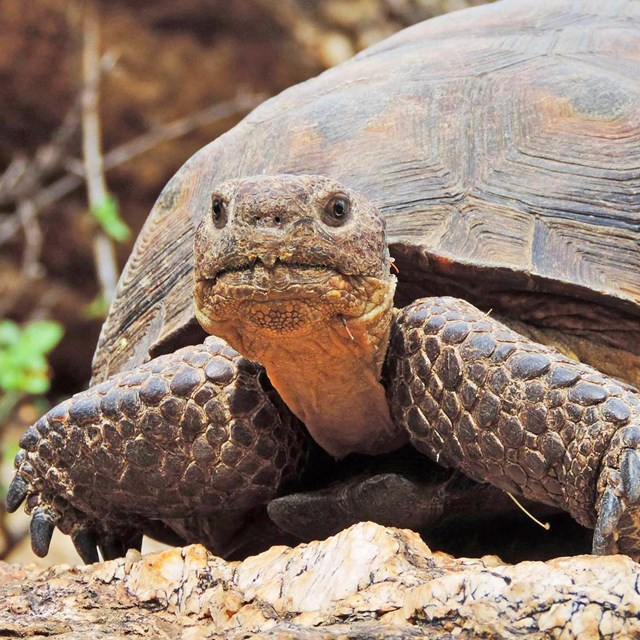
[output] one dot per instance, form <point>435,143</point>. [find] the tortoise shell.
<point>502,143</point>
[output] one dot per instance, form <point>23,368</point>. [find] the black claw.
<point>18,490</point>
<point>630,472</point>
<point>608,518</point>
<point>42,527</point>
<point>112,548</point>
<point>135,542</point>
<point>86,545</point>
<point>602,545</point>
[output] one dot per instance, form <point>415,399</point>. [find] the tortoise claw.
<point>604,542</point>
<point>18,490</point>
<point>41,529</point>
<point>86,545</point>
<point>135,542</point>
<point>630,475</point>
<point>617,527</point>
<point>112,548</point>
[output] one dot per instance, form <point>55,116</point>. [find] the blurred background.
<point>100,103</point>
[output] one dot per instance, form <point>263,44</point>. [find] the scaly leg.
<point>477,396</point>
<point>190,442</point>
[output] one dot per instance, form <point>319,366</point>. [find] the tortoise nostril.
<point>266,218</point>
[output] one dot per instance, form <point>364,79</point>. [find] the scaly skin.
<point>190,438</point>
<point>293,271</point>
<point>477,396</point>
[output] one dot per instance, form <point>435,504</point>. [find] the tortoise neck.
<point>329,374</point>
<point>332,386</point>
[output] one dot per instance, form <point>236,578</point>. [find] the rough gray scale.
<point>455,332</point>
<point>527,366</point>
<point>30,439</point>
<point>586,393</point>
<point>563,377</point>
<point>219,370</point>
<point>184,381</point>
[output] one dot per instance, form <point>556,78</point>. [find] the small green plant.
<point>23,363</point>
<point>107,214</point>
<point>97,308</point>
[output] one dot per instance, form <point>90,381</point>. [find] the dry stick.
<point>20,182</point>
<point>24,178</point>
<point>242,103</point>
<point>12,177</point>
<point>9,227</point>
<point>103,249</point>
<point>33,239</point>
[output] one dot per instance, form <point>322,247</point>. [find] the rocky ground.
<point>367,582</point>
<point>199,65</point>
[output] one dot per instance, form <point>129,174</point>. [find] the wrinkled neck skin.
<point>328,372</point>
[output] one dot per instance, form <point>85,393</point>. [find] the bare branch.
<point>103,249</point>
<point>8,227</point>
<point>12,176</point>
<point>91,130</point>
<point>129,150</point>
<point>33,239</point>
<point>26,185</point>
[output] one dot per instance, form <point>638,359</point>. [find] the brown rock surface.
<point>367,582</point>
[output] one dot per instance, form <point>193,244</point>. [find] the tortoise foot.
<point>175,445</point>
<point>617,527</point>
<point>477,396</point>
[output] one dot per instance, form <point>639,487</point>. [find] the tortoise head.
<point>293,271</point>
<point>280,254</point>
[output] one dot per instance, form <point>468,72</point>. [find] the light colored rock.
<point>368,581</point>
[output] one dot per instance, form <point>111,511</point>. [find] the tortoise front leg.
<point>477,396</point>
<point>189,443</point>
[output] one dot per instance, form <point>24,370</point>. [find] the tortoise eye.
<point>336,211</point>
<point>218,211</point>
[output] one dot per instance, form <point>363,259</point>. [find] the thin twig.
<point>9,225</point>
<point>33,239</point>
<point>12,176</point>
<point>25,180</point>
<point>241,104</point>
<point>103,249</point>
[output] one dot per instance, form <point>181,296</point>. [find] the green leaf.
<point>41,336</point>
<point>11,378</point>
<point>97,308</point>
<point>36,383</point>
<point>107,214</point>
<point>23,363</point>
<point>9,332</point>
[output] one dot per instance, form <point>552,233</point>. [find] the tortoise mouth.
<point>278,300</point>
<point>278,276</point>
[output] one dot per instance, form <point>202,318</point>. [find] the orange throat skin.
<point>323,346</point>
